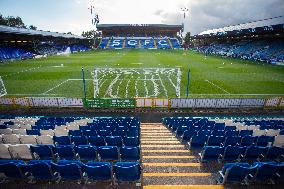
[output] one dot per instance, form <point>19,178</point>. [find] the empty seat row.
<point>64,132</point>
<point>67,140</point>
<point>205,140</point>
<point>241,153</point>
<point>82,152</point>
<point>231,131</point>
<point>257,173</point>
<point>43,170</point>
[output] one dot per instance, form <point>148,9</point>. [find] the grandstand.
<point>261,40</point>
<point>144,36</point>
<point>19,43</point>
<point>179,152</point>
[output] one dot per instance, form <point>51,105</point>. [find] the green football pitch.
<point>141,73</point>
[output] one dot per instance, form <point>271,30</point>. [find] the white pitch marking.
<point>145,86</point>
<point>79,79</point>
<point>56,86</point>
<point>217,86</point>
<point>126,91</point>
<point>109,90</point>
<point>166,92</point>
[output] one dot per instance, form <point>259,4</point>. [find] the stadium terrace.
<point>144,36</point>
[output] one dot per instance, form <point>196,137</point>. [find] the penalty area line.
<point>217,86</point>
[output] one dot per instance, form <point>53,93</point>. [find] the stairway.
<point>155,43</point>
<point>167,164</point>
<point>108,43</point>
<point>170,43</point>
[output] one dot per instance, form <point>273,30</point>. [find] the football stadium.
<point>92,97</point>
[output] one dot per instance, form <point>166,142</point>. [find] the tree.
<point>15,22</point>
<point>69,33</point>
<point>3,20</point>
<point>32,27</point>
<point>92,34</point>
<point>187,38</point>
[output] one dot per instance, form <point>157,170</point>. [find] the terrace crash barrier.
<point>174,103</point>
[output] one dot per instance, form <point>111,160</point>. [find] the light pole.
<point>95,20</point>
<point>184,11</point>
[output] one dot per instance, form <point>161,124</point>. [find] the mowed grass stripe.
<point>176,174</point>
<point>172,164</point>
<point>184,187</point>
<point>168,157</point>
<point>166,151</point>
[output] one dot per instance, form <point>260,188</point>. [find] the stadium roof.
<point>246,26</point>
<point>113,26</point>
<point>23,31</point>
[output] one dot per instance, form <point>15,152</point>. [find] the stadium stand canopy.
<point>269,25</point>
<point>27,32</point>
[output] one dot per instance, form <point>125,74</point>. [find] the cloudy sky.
<point>74,16</point>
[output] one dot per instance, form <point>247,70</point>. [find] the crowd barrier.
<point>174,103</point>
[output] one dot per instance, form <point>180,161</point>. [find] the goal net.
<point>136,82</point>
<point>3,91</point>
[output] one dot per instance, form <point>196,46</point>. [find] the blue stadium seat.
<point>85,128</point>
<point>86,152</point>
<point>275,153</point>
<point>248,140</point>
<point>75,133</point>
<point>255,153</point>
<point>61,140</point>
<point>232,140</point>
<point>230,128</point>
<point>215,140</point>
<point>96,140</point>
<point>180,130</point>
<point>218,133</point>
<point>108,153</point>
<point>265,173</point>
<point>11,170</point>
<point>79,140</point>
<point>33,132</point>
<point>67,172</point>
<point>90,132</point>
<point>230,133</point>
<point>131,141</point>
<point>42,151</point>
<point>127,171</point>
<point>264,140</point>
<point>104,133</point>
<point>245,133</point>
<point>232,153</point>
<point>98,171</point>
<point>219,126</point>
<point>113,141</point>
<point>64,152</point>
<point>198,141</point>
<point>129,153</point>
<point>188,134</point>
<point>211,153</point>
<point>236,173</point>
<point>38,171</point>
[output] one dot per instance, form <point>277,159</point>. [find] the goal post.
<point>3,91</point>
